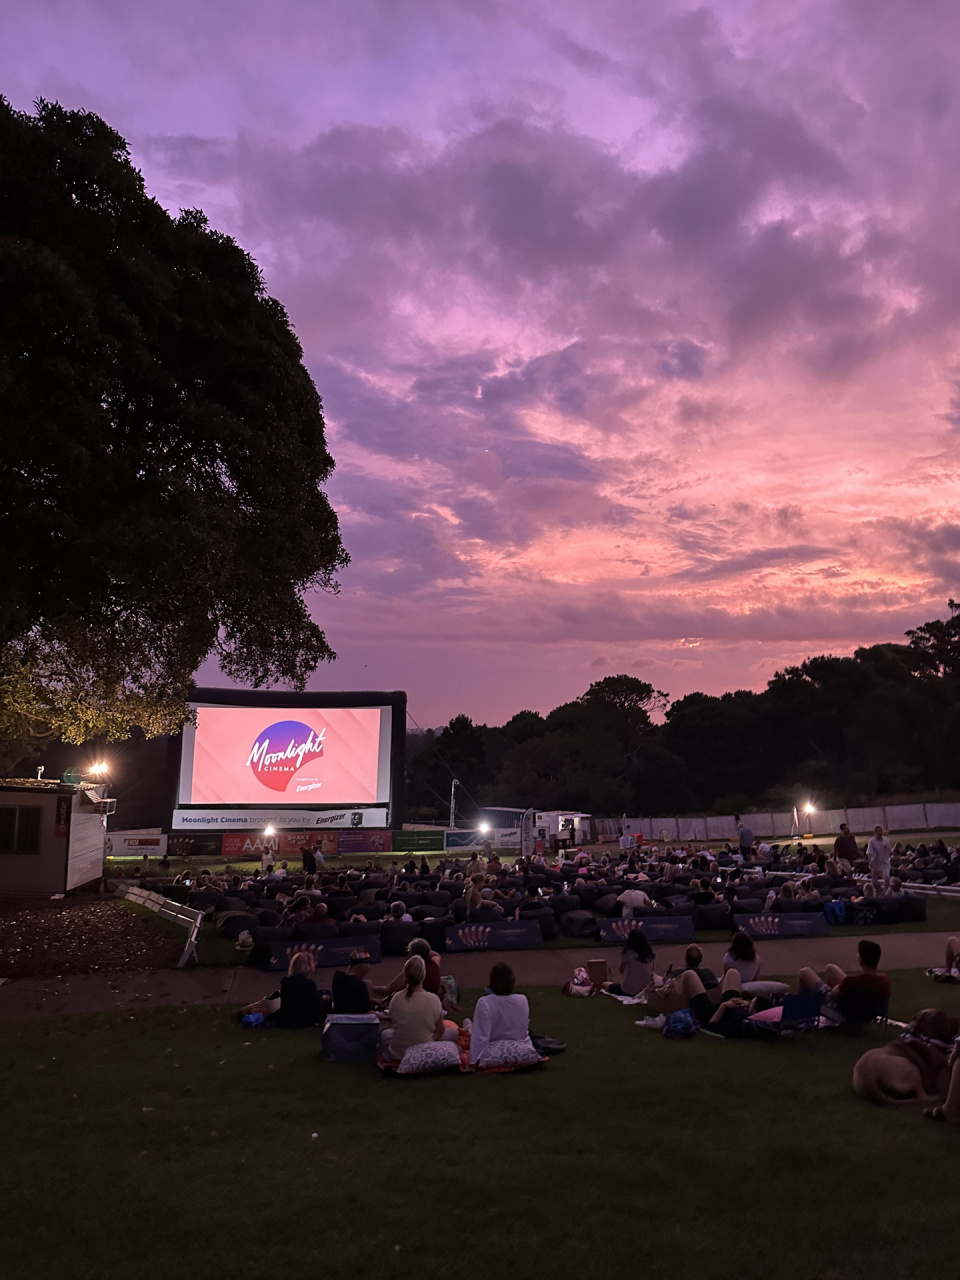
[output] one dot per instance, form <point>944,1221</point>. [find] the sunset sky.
<point>636,324</point>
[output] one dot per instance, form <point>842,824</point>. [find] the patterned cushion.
<point>435,1055</point>
<point>509,1053</point>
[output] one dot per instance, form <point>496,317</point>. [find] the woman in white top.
<point>501,1015</point>
<point>743,957</point>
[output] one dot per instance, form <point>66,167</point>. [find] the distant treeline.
<point>883,723</point>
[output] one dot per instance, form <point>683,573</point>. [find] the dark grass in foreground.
<point>166,1143</point>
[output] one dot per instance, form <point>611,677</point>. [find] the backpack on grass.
<point>680,1025</point>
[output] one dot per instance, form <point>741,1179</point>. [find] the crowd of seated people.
<point>566,895</point>
<point>411,1010</point>
<point>729,1008</point>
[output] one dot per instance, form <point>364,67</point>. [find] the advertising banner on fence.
<point>417,841</point>
<point>204,844</point>
<point>494,937</point>
<point>676,929</point>
<point>365,842</point>
<point>134,844</point>
<point>331,953</point>
<point>799,924</point>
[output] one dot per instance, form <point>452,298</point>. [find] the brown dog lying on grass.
<point>913,1068</point>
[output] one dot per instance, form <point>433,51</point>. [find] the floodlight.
<point>808,807</point>
<point>269,830</point>
<point>100,767</point>
<point>484,827</point>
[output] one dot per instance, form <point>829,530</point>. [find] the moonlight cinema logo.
<point>281,750</point>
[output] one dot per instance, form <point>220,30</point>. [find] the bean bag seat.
<point>607,906</point>
<point>435,931</point>
<point>748,906</point>
<point>913,907</point>
<point>231,926</point>
<point>394,936</point>
<point>546,918</point>
<point>229,903</point>
<point>579,924</point>
<point>712,916</point>
<point>266,918</point>
<point>318,931</point>
<point>562,903</point>
<point>360,929</point>
<point>439,898</point>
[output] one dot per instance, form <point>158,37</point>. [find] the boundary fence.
<point>780,826</point>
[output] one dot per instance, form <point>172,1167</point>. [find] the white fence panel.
<point>906,817</point>
<point>821,822</point>
<point>723,827</point>
<point>687,829</point>
<point>943,815</point>
<point>865,819</point>
<point>761,824</point>
<point>782,824</point>
<point>661,825</point>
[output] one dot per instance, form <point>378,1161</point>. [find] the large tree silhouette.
<point>162,449</point>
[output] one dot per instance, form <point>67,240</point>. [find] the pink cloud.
<point>632,323</point>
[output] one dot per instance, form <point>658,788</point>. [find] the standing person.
<point>879,856</point>
<point>309,859</point>
<point>845,845</point>
<point>268,860</point>
<point>746,839</point>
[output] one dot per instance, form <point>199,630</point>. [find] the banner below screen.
<point>331,953</point>
<point>501,936</point>
<point>676,929</point>
<point>251,819</point>
<point>800,924</point>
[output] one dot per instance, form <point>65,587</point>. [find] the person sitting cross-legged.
<point>417,1015</point>
<point>501,1015</point>
<point>636,966</point>
<point>352,993</point>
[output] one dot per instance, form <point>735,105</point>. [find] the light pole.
<point>453,802</point>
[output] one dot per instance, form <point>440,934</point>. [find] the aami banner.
<point>330,953</point>
<point>248,845</point>
<point>500,936</point>
<point>805,924</point>
<point>676,929</point>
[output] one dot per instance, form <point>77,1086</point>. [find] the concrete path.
<point>99,992</point>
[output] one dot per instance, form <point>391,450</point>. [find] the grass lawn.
<point>160,1143</point>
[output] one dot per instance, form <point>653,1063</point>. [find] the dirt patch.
<point>43,939</point>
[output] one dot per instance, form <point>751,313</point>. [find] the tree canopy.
<point>163,449</point>
<point>839,730</point>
